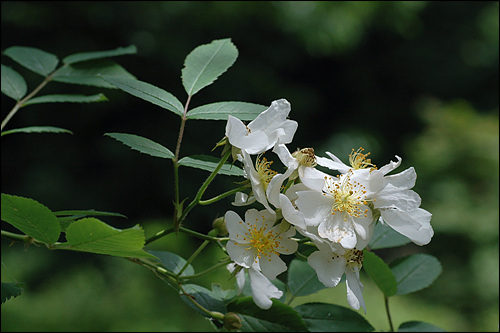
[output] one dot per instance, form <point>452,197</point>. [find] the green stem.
<point>213,314</point>
<point>221,196</point>
<point>159,235</point>
<point>202,236</point>
<point>386,299</point>
<point>193,256</point>
<point>208,270</point>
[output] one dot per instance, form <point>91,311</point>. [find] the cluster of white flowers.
<point>336,212</point>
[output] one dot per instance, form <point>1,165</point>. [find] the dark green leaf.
<point>67,99</point>
<point>380,273</point>
<point>148,92</point>
<point>67,217</point>
<point>36,60</point>
<point>85,56</point>
<point>206,63</point>
<point>142,145</point>
<point>385,237</point>
<point>10,290</point>
<point>322,317</point>
<point>37,129</point>
<point>173,262</point>
<point>209,163</point>
<point>418,326</point>
<point>302,279</point>
<point>278,318</point>
<point>204,297</point>
<point>31,217</point>
<point>415,272</point>
<point>220,111</point>
<point>87,73</point>
<point>92,235</point>
<point>13,84</point>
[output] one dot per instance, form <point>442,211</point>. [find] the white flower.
<point>262,289</point>
<point>256,243</point>
<point>268,129</point>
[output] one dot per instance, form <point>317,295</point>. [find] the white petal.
<point>240,254</point>
<point>312,178</point>
<point>334,163</point>
<point>390,166</point>
<point>413,224</point>
<point>354,290</point>
<point>240,276</point>
<point>404,200</point>
<point>235,226</point>
<point>404,180</point>
<point>262,289</point>
<point>242,199</point>
<point>362,226</point>
<point>314,206</point>
<point>272,266</point>
<point>290,214</point>
<point>328,267</point>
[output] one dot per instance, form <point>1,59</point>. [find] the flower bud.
<point>232,321</point>
<point>219,225</point>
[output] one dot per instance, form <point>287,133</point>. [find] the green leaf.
<point>86,73</point>
<point>415,272</point>
<point>380,273</point>
<point>209,163</point>
<point>302,279</point>
<point>148,92</point>
<point>67,99</point>
<point>206,63</point>
<point>173,262</point>
<point>31,217</point>
<point>418,326</point>
<point>13,84</point>
<point>322,317</point>
<point>278,318</point>
<point>86,56</point>
<point>220,111</point>
<point>385,237</point>
<point>204,297</point>
<point>36,60</point>
<point>142,145</point>
<point>37,129</point>
<point>92,235</point>
<point>10,290</point>
<point>66,217</point>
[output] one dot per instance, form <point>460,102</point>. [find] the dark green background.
<point>414,79</point>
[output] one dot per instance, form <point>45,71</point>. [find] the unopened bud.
<point>219,225</point>
<point>232,321</point>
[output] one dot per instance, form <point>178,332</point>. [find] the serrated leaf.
<point>209,163</point>
<point>322,317</point>
<point>10,290</point>
<point>87,73</point>
<point>385,237</point>
<point>92,235</point>
<point>86,56</point>
<point>380,273</point>
<point>415,272</point>
<point>31,217</point>
<point>37,129</point>
<point>220,111</point>
<point>34,59</point>
<point>206,63</point>
<point>142,145</point>
<point>13,84</point>
<point>302,279</point>
<point>67,99</point>
<point>204,297</point>
<point>418,326</point>
<point>148,92</point>
<point>278,318</point>
<point>173,262</point>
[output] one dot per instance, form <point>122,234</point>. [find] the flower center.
<point>263,242</point>
<point>358,160</point>
<point>348,196</point>
<point>354,258</point>
<point>305,157</point>
<point>263,168</point>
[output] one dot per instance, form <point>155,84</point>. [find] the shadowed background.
<point>413,79</point>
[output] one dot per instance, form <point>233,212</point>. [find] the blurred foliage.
<point>416,79</point>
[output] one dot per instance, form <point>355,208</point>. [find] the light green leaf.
<point>67,99</point>
<point>148,92</point>
<point>86,73</point>
<point>204,297</point>
<point>322,317</point>
<point>173,262</point>
<point>86,56</point>
<point>385,237</point>
<point>13,84</point>
<point>10,290</point>
<point>220,111</point>
<point>37,129</point>
<point>415,272</point>
<point>380,273</point>
<point>206,63</point>
<point>418,326</point>
<point>92,235</point>
<point>142,145</point>
<point>34,59</point>
<point>66,217</point>
<point>302,279</point>
<point>278,318</point>
<point>31,217</point>
<point>209,163</point>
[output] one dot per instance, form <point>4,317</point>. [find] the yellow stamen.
<point>358,160</point>
<point>263,167</point>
